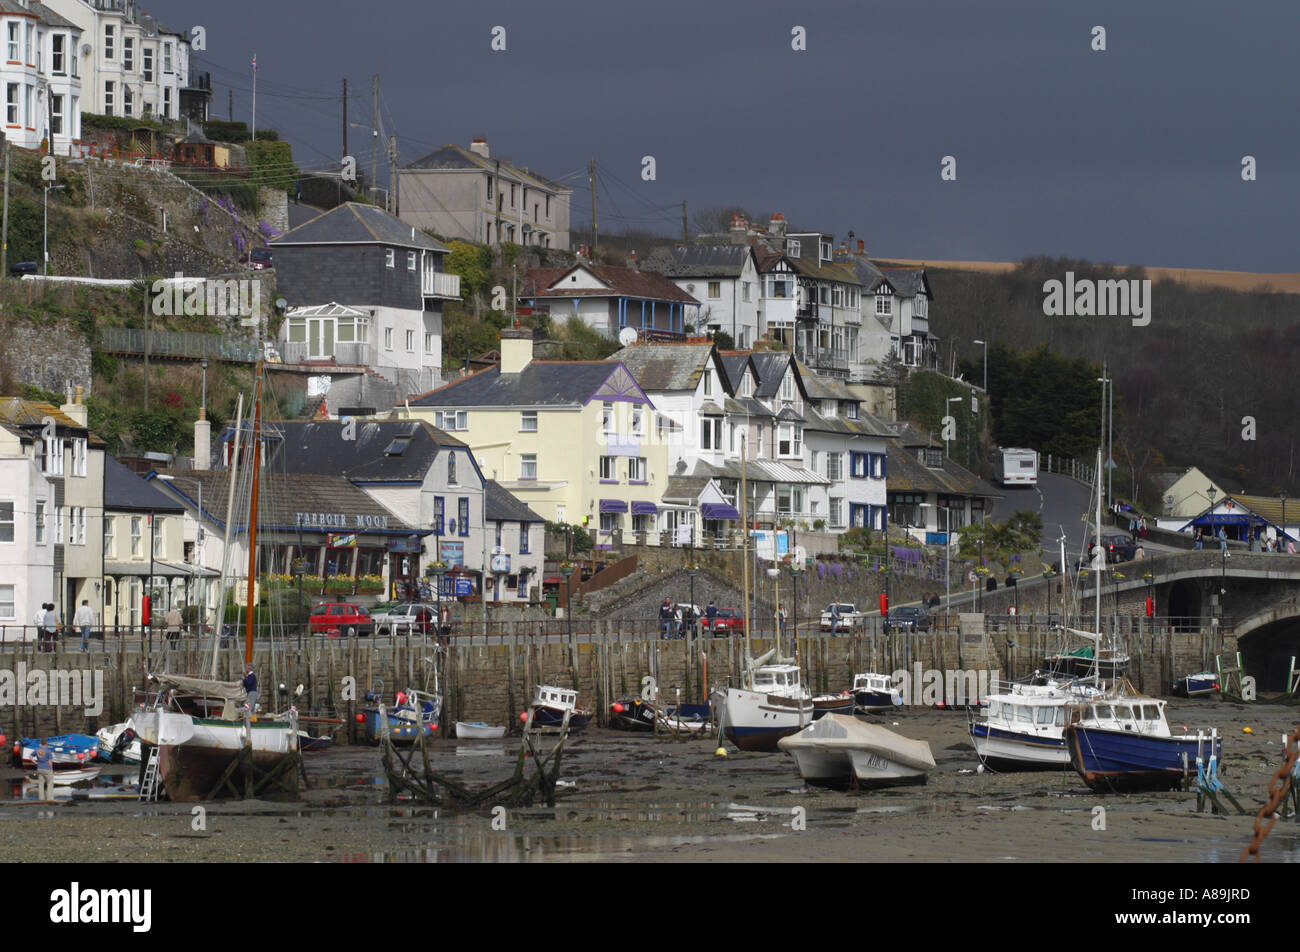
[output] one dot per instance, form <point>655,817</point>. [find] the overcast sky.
<point>1132,155</point>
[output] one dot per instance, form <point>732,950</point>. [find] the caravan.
<point>1016,467</point>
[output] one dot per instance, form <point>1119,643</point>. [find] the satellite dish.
<point>627,336</point>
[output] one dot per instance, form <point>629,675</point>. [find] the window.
<point>58,46</point>
<point>792,248</point>
<point>167,57</point>
<point>79,457</point>
<point>851,411</point>
<point>110,547</point>
<point>128,53</point>
<point>787,387</point>
<point>489,188</point>
<point>428,342</point>
<point>711,433</point>
<point>708,383</point>
<point>167,102</point>
<point>11,104</point>
<point>12,55</point>
<point>54,456</point>
<point>637,470</point>
<point>609,468</point>
<point>858,465</point>
<point>7,601</point>
<point>715,289</point>
<point>56,115</point>
<point>523,538</point>
<point>388,338</point>
<point>6,522</point>
<point>410,342</point>
<point>451,469</point>
<point>745,291</point>
<point>789,440</point>
<point>410,261</point>
<point>60,517</point>
<point>128,101</point>
<point>462,516</point>
<point>779,286</point>
<point>390,257</point>
<point>528,466</point>
<point>109,38</point>
<point>834,467</point>
<point>883,304</point>
<point>609,521</point>
<point>135,537</point>
<point>439,515</point>
<point>40,522</point>
<point>836,511</point>
<point>877,465</point>
<point>108,98</point>
<point>78,526</point>
<point>607,417</point>
<point>905,509</point>
<point>528,421</point>
<point>638,416</point>
<point>146,63</point>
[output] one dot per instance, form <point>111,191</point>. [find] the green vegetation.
<point>473,263</point>
<point>1004,541</point>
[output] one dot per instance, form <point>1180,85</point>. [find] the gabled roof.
<point>705,261</point>
<point>382,451</point>
<point>908,282</point>
<point>735,362</point>
<point>454,157</point>
<point>543,383</point>
<point>825,271</point>
<point>355,223</point>
<point>32,413</point>
<point>660,367</point>
<point>771,367</point>
<point>500,505</point>
<point>124,491</point>
<point>618,282</point>
<point>48,16</point>
<point>907,474</point>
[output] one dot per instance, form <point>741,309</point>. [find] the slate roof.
<point>49,16</point>
<point>735,362</point>
<point>705,261</point>
<point>124,491</point>
<point>770,366</point>
<point>283,495</point>
<point>619,282</point>
<point>318,447</point>
<point>458,157</point>
<point>907,474</point>
<point>30,413</point>
<point>828,271</point>
<point>541,383</point>
<point>685,488</point>
<point>660,367</point>
<point>908,282</point>
<point>357,223</point>
<point>501,505</point>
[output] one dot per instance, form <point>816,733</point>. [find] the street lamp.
<point>986,364</point>
<point>774,573</point>
<point>45,238</point>
<point>796,569</point>
<point>1283,539</point>
<point>691,572</point>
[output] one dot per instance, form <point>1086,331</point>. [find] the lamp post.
<point>45,236</point>
<point>435,571</point>
<point>1283,539</point>
<point>945,429</point>
<point>691,572</point>
<point>566,569</point>
<point>986,363</point>
<point>774,573</point>
<point>796,569</point>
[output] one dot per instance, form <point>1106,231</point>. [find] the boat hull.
<point>544,716</point>
<point>190,773</point>
<point>841,751</point>
<point>476,731</point>
<point>757,721</point>
<point>833,704</point>
<point>1110,759</point>
<point>1006,750</point>
<point>875,702</point>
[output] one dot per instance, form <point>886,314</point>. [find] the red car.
<point>340,617</point>
<point>727,620</point>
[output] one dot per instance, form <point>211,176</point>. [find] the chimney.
<point>516,349</point>
<point>480,147</point>
<point>202,442</point>
<point>76,407</point>
<point>777,226</point>
<point>739,229</point>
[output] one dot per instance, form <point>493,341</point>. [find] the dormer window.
<point>398,446</point>
<point>826,250</point>
<point>792,248</point>
<point>931,457</point>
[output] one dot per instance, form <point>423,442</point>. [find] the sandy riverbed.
<point>635,798</point>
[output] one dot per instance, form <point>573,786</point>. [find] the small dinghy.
<point>65,778</point>
<point>839,751</point>
<point>477,730</point>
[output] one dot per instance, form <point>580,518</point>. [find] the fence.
<point>1066,466</point>
<point>188,344</point>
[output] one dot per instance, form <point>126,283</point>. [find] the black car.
<point>23,267</point>
<point>909,617</point>
<point>258,259</point>
<point>1120,547</point>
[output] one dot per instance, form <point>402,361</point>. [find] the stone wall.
<point>49,356</point>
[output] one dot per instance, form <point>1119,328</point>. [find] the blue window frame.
<point>858,465</point>
<point>462,516</point>
<point>523,541</point>
<point>439,515</point>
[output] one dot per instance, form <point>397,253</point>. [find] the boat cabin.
<point>1140,715</point>
<point>1026,716</point>
<point>550,696</point>
<point>873,682</point>
<point>776,678</point>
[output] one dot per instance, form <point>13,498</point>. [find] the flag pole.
<point>254,129</point>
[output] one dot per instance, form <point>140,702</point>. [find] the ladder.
<point>151,786</point>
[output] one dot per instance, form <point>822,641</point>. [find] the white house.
<point>42,82</point>
<point>26,525</point>
<point>726,282</point>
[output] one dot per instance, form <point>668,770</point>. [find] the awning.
<point>613,505</point>
<point>644,509</point>
<point>719,510</point>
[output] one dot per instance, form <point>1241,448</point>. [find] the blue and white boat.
<point>68,751</point>
<point>1021,726</point>
<point>874,693</point>
<point>775,705</point>
<point>1196,685</point>
<point>1122,741</point>
<point>551,703</point>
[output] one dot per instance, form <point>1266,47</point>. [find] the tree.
<point>473,263</point>
<point>717,218</point>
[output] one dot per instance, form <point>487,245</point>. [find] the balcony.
<point>831,359</point>
<point>346,354</point>
<point>437,284</point>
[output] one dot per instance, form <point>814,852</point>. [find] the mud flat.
<point>635,798</point>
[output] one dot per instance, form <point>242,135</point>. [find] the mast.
<point>225,545</point>
<point>252,508</point>
<point>1096,577</point>
<point>744,555</point>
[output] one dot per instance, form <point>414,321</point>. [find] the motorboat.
<point>838,751</point>
<point>874,693</point>
<point>1021,726</point>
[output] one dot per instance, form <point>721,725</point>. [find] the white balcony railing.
<point>440,285</point>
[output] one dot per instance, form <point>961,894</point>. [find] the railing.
<point>1066,466</point>
<point>347,353</point>
<point>439,284</point>
<point>126,340</point>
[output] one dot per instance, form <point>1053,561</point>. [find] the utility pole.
<point>4,228</point>
<point>230,103</point>
<point>345,116</point>
<point>392,171</point>
<point>147,335</point>
<point>254,128</point>
<point>591,177</point>
<point>684,238</point>
<point>374,130</point>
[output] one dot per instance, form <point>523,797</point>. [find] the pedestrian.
<point>835,618</point>
<point>710,614</point>
<point>688,620</point>
<point>1223,540</point>
<point>934,600</point>
<point>1142,527</point>
<point>83,619</point>
<point>1200,538</point>
<point>173,625</point>
<point>1139,553</point>
<point>677,621</point>
<point>780,620</point>
<point>250,688</point>
<point>51,626</point>
<point>665,618</point>
<point>444,623</point>
<point>44,771</point>
<point>1290,547</point>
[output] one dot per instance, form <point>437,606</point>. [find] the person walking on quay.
<point>173,625</point>
<point>82,620</point>
<point>250,688</point>
<point>1199,536</point>
<point>44,772</point>
<point>665,618</point>
<point>51,627</point>
<point>835,618</point>
<point>1223,540</point>
<point>780,621</point>
<point>710,613</point>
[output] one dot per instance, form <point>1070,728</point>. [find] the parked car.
<point>1120,547</point>
<point>23,267</point>
<point>850,617</point>
<point>346,619</point>
<point>406,618</point>
<point>909,617</point>
<point>728,620</point>
<point>258,259</point>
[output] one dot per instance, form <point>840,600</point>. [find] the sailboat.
<point>192,752</point>
<point>774,703</point>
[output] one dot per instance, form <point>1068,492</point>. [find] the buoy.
<point>1247,730</point>
<point>720,752</point>
<point>401,697</point>
<point>523,716</point>
<point>979,769</point>
<point>2,740</point>
<point>940,705</point>
<point>433,728</point>
<point>618,708</point>
<point>361,718</point>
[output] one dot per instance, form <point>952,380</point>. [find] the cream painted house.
<point>144,537</point>
<point>576,441</point>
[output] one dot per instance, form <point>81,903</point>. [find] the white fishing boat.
<point>843,751</point>
<point>551,703</point>
<point>477,730</point>
<point>1022,726</point>
<point>874,693</point>
<point>775,705</point>
<point>120,742</point>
